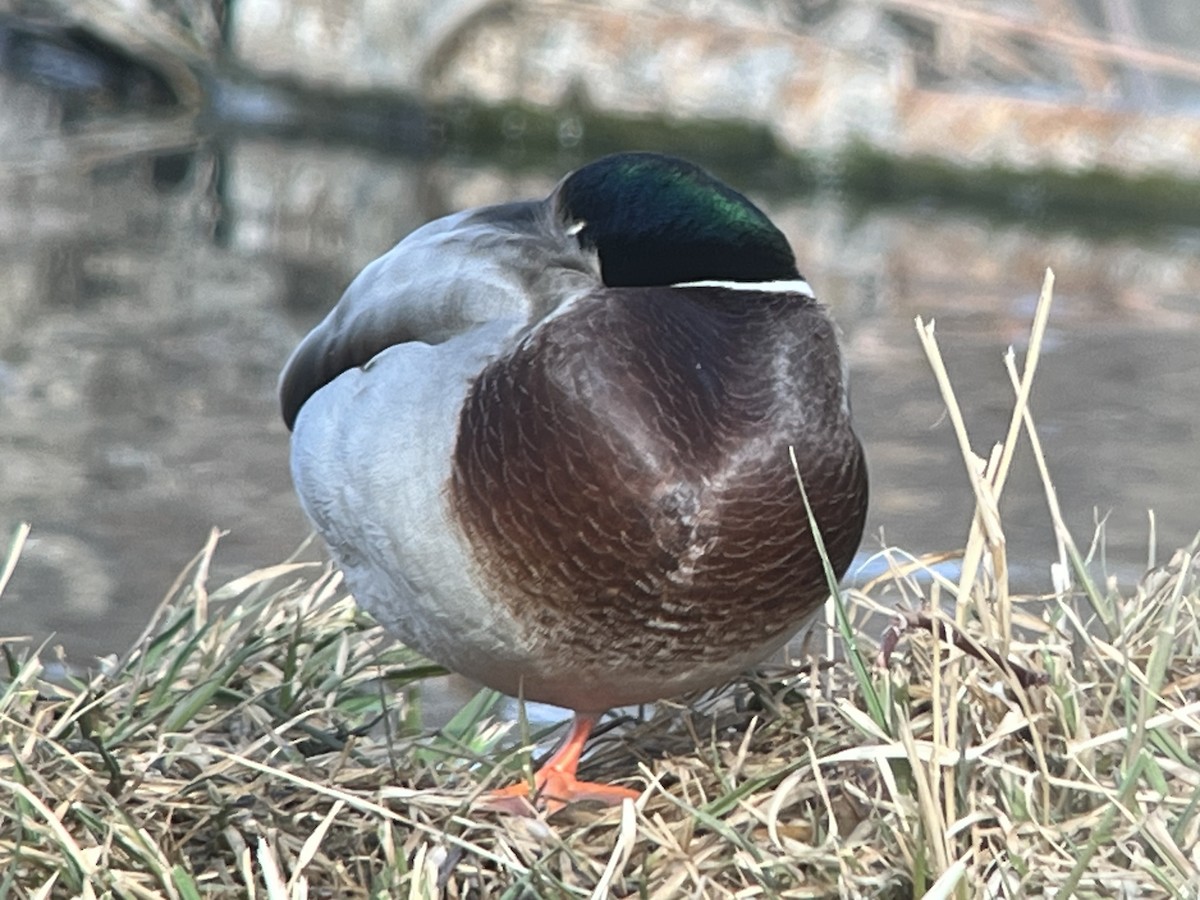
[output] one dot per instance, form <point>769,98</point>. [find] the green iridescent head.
<point>657,220</point>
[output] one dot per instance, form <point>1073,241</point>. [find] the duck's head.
<point>659,220</point>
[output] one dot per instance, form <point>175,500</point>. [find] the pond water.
<point>149,299</point>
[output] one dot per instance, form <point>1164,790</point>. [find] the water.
<point>150,298</point>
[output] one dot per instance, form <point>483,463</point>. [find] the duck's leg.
<point>555,784</point>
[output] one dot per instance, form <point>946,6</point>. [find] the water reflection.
<point>149,300</point>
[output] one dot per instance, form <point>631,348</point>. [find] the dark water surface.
<point>149,299</point>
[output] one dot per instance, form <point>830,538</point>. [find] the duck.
<point>557,446</point>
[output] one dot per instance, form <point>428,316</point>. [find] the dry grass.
<point>257,742</point>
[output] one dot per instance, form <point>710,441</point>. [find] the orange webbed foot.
<point>555,784</point>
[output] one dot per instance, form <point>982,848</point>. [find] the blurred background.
<point>186,186</point>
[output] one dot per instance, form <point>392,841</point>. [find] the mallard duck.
<point>548,441</point>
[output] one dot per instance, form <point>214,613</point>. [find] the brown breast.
<point>624,481</point>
